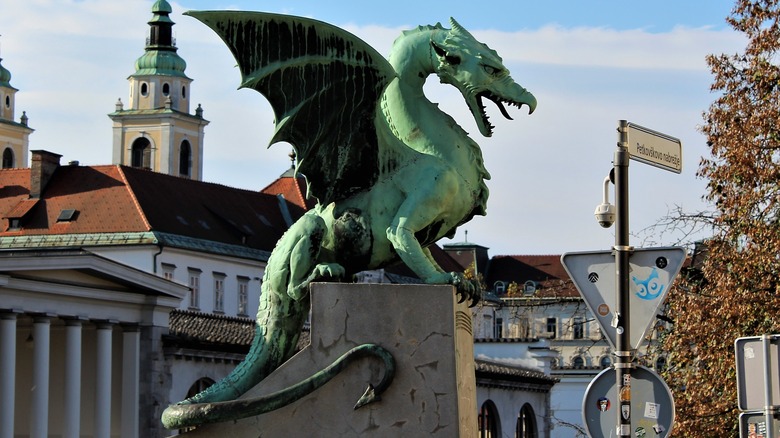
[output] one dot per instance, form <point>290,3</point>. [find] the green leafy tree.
<point>736,292</point>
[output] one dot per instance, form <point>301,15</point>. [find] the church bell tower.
<point>14,136</point>
<point>157,131</point>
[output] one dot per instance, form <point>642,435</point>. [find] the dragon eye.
<point>490,70</point>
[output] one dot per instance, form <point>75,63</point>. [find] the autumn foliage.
<point>736,291</point>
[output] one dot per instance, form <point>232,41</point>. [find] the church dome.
<point>160,57</point>
<point>5,76</point>
<point>160,62</point>
<point>162,6</point>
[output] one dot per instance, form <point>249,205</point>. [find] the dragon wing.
<point>323,84</point>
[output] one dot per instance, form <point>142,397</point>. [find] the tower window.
<point>8,158</point>
<point>183,92</point>
<point>185,159</point>
<point>144,89</point>
<point>142,153</point>
<point>166,89</point>
<point>8,101</point>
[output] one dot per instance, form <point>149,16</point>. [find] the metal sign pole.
<point>766,342</point>
<point>622,253</point>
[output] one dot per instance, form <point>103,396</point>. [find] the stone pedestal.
<point>430,337</point>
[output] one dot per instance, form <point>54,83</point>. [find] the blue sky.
<point>589,63</point>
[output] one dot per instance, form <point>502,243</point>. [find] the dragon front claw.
<point>466,289</point>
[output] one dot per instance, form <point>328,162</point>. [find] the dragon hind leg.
<point>283,308</point>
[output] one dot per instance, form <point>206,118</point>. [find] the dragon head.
<point>479,73</point>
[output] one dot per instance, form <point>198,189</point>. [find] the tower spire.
<point>155,130</point>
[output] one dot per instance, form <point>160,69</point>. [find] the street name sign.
<point>654,148</point>
<point>651,409</point>
<point>652,272</point>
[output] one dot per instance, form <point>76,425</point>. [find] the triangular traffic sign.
<point>652,271</point>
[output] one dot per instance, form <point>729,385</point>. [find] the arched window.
<point>166,89</point>
<point>144,89</point>
<point>578,362</point>
<point>142,153</point>
<point>526,423</point>
<point>185,159</point>
<point>8,158</point>
<point>488,421</point>
<point>605,361</point>
<point>200,385</point>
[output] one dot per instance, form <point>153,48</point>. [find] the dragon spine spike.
<point>458,29</point>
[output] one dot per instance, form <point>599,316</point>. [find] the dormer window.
<point>529,288</point>
<point>14,224</point>
<point>67,215</point>
<point>499,287</point>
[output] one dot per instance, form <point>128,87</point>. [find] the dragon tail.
<point>283,308</point>
<point>279,323</point>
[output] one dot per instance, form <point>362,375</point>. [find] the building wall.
<point>150,258</point>
<point>566,403</point>
<point>508,404</point>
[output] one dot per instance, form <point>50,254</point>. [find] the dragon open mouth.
<point>499,101</point>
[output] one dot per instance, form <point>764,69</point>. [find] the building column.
<point>103,380</point>
<point>39,412</point>
<point>71,427</point>
<point>7,373</point>
<point>131,361</point>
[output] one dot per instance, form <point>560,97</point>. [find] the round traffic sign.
<point>651,411</point>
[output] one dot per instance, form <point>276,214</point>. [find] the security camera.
<point>605,212</point>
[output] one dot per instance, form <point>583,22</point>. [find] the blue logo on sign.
<point>649,288</point>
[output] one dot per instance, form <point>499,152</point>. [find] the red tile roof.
<point>546,270</point>
<point>292,188</point>
<point>121,199</point>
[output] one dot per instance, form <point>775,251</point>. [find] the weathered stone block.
<point>428,334</point>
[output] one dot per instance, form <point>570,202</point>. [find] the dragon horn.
<point>458,29</point>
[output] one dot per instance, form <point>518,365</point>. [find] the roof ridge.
<point>131,192</point>
<point>183,178</point>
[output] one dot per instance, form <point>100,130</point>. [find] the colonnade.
<point>42,363</point>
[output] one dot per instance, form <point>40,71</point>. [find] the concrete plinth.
<point>430,337</point>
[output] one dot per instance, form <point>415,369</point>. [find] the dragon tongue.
<point>503,109</point>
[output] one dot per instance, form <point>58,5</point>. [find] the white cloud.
<point>680,49</point>
<point>71,64</point>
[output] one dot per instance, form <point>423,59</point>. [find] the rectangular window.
<point>243,295</point>
<point>578,327</point>
<point>219,292</point>
<point>167,270</point>
<point>552,326</point>
<point>194,288</point>
<point>498,328</point>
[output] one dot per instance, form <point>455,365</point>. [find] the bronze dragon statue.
<point>391,172</point>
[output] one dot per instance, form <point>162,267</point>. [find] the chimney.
<point>44,163</point>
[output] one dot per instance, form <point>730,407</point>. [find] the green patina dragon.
<point>392,173</point>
